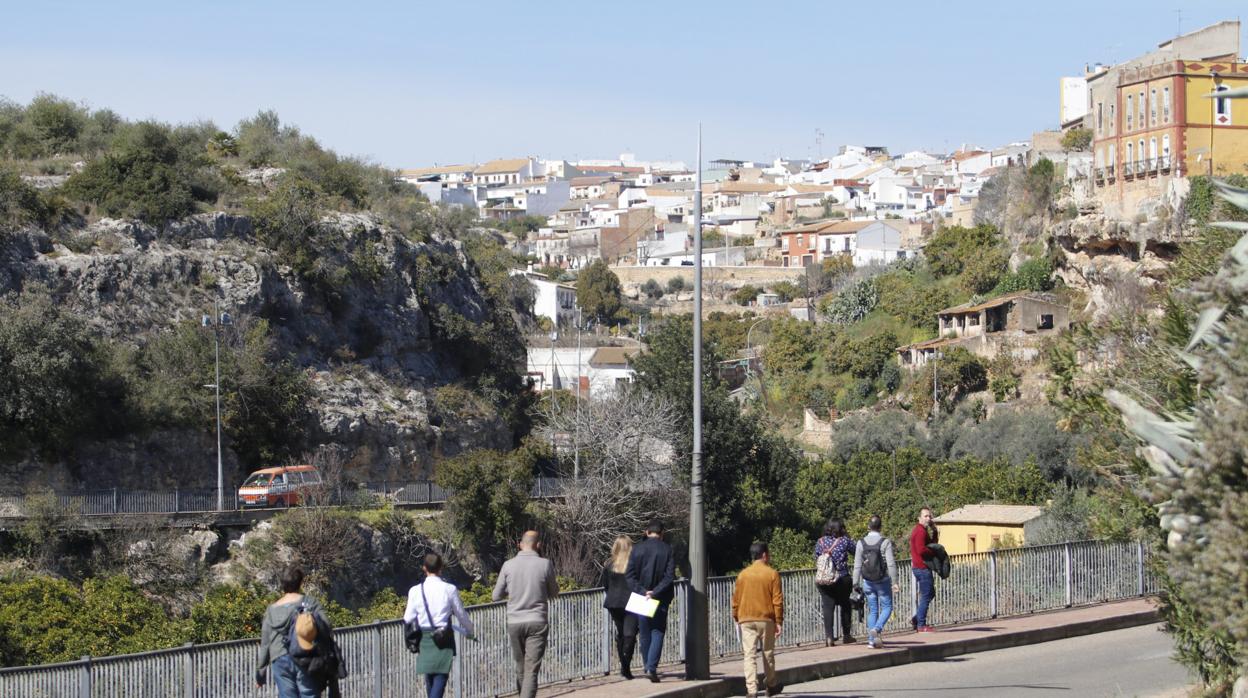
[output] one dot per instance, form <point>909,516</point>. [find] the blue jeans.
<point>292,682</point>
<point>435,685</point>
<point>650,633</point>
<point>879,602</point>
<point>927,592</point>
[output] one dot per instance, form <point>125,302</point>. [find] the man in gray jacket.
<point>875,569</point>
<point>528,583</point>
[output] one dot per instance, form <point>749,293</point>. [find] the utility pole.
<point>216,321</point>
<point>697,637</point>
<point>576,443</point>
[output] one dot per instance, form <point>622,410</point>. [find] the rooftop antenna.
<point>1179,27</point>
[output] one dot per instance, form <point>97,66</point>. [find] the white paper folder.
<point>641,605</point>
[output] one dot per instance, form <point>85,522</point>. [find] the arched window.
<point>1222,107</point>
<point>1128,165</point>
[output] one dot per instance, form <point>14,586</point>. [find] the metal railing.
<point>981,586</point>
<point>109,502</point>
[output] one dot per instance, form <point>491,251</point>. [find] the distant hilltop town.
<point>1129,135</point>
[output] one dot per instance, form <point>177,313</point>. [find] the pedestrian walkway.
<point>800,664</point>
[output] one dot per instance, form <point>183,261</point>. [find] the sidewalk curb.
<point>735,685</point>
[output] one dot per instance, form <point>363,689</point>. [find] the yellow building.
<point>1152,122</point>
<point>976,528</point>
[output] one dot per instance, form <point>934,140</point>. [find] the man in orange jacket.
<point>758,609</point>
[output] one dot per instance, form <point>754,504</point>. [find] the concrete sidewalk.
<point>801,664</point>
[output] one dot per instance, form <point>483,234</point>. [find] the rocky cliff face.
<point>1101,252</point>
<point>368,348</point>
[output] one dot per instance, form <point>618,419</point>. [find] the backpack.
<point>873,567</point>
<point>322,663</point>
<point>825,572</point>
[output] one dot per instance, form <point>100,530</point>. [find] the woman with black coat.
<point>617,591</point>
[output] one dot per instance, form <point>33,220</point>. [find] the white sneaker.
<point>871,638</point>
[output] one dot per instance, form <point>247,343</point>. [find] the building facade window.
<point>1140,152</point>
<point>1222,107</point>
<point>1113,114</point>
<point>1165,105</point>
<point>1113,159</point>
<point>1152,108</point>
<point>1126,164</point>
<point>1152,152</point>
<point>1165,148</point>
<point>1140,122</point>
<point>1130,110</point>
<point>1100,117</point>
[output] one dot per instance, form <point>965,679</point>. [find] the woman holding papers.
<point>615,584</point>
<point>434,605</point>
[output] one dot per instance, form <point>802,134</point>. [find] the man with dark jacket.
<point>651,572</point>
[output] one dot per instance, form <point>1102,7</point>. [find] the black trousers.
<point>836,596</point>
<point>625,634</point>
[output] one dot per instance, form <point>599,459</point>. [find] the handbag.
<point>443,637</point>
<point>412,635</point>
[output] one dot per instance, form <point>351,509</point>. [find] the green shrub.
<point>983,271</point>
<point>1077,139</point>
<point>1032,275</point>
<point>141,178</point>
<point>745,295</point>
<point>490,493</point>
<point>264,397</point>
<point>57,383</point>
<point>652,289</point>
<point>950,249</point>
<point>229,612</point>
<point>787,291</point>
<point>791,550</point>
<point>676,284</point>
<point>598,292</point>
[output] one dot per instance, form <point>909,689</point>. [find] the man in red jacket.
<point>920,537</point>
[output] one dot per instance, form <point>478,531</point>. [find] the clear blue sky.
<point>413,83</point>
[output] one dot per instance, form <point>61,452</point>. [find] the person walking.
<point>921,536</point>
<point>291,679</point>
<point>835,544</point>
<point>528,583</point>
<point>615,584</point>
<point>432,605</point>
<point>758,610</point>
<point>875,568</point>
<point>651,572</point>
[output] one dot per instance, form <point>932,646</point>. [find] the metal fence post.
<point>377,659</point>
<point>114,500</point>
<point>1069,573</point>
<point>84,678</point>
<point>176,503</point>
<point>606,642</point>
<point>188,670</point>
<point>1139,556</point>
<point>992,583</point>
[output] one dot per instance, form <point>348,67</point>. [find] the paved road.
<point>1131,662</point>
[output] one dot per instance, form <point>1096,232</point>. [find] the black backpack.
<point>873,567</point>
<point>323,663</point>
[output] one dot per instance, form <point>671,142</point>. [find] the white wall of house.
<point>878,243</point>
<point>437,193</point>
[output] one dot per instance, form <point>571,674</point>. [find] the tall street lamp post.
<point>697,638</point>
<point>216,321</point>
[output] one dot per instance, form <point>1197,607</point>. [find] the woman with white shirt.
<point>435,604</point>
